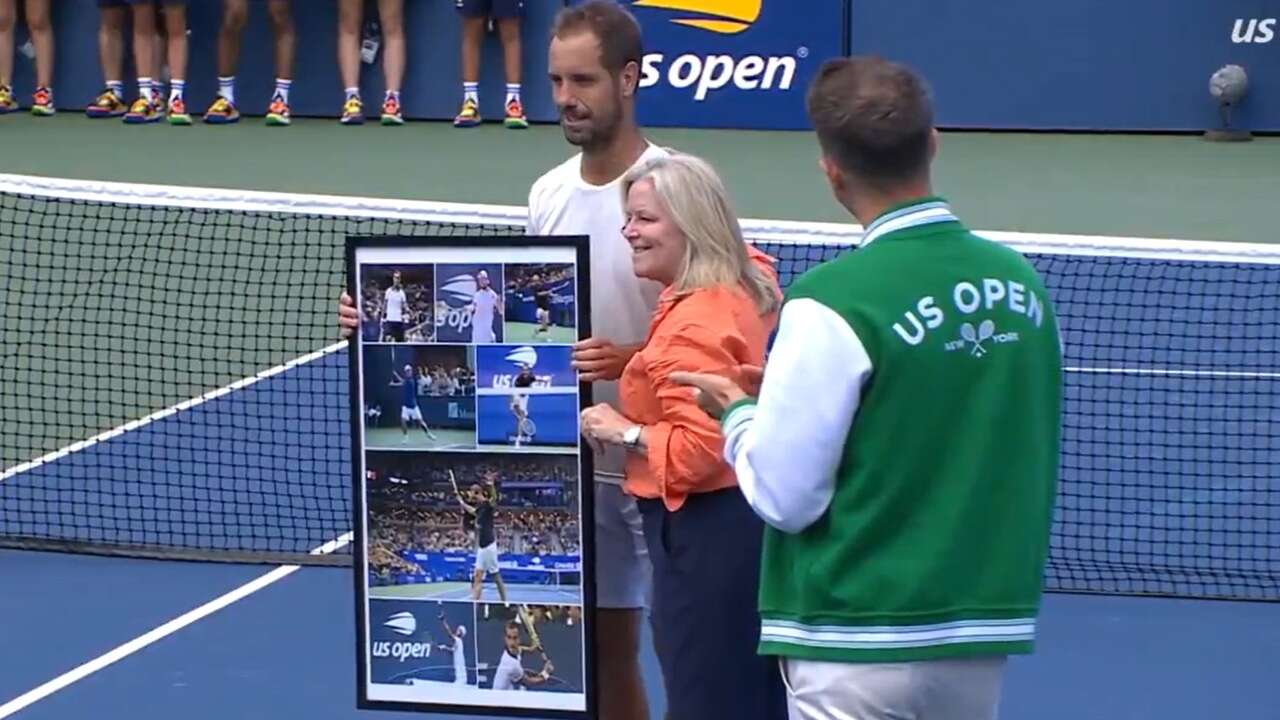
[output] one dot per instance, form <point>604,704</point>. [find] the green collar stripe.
<point>907,636</point>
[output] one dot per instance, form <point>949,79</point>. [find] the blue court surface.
<point>288,649</point>
<point>1169,486</point>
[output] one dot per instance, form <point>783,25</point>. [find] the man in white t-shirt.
<point>510,673</point>
<point>484,305</point>
<point>594,66</point>
<point>393,311</point>
<point>458,649</point>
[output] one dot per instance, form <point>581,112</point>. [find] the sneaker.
<point>278,112</point>
<point>353,112</point>
<point>391,112</point>
<point>515,119</point>
<point>108,104</point>
<point>178,112</point>
<point>42,103</point>
<point>469,116</point>
<point>142,111</point>
<point>221,112</point>
<point>8,103</point>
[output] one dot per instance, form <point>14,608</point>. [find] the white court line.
<point>122,651</point>
<point>160,415</point>
<point>1243,374</point>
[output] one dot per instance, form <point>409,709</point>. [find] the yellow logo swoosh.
<point>728,16</point>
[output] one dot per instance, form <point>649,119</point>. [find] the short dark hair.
<point>873,117</point>
<point>613,25</point>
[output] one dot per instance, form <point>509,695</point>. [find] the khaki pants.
<point>951,689</point>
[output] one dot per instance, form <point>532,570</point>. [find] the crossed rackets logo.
<point>977,337</point>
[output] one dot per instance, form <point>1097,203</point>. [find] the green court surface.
<point>386,438</point>
<point>1125,185</point>
<point>519,332</point>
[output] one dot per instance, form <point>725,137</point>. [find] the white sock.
<point>353,92</point>
<point>146,88</point>
<point>513,92</point>
<point>116,87</point>
<point>176,88</point>
<point>471,91</point>
<point>227,88</point>
<point>282,89</point>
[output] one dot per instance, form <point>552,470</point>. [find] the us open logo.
<point>726,16</point>
<point>402,623</point>
<point>405,625</point>
<point>710,73</point>
<point>454,308</point>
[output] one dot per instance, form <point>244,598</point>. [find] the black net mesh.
<point>115,316</point>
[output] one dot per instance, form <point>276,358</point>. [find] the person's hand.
<point>348,315</point>
<point>750,378</point>
<point>598,359</point>
<point>602,425</point>
<point>713,393</point>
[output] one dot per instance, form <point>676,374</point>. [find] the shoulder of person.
<point>557,177</point>
<point>703,316</point>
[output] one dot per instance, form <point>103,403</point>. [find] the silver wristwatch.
<point>631,438</point>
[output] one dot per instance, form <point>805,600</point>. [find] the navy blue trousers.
<point>704,611</point>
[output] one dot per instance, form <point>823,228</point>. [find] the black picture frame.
<point>580,245</point>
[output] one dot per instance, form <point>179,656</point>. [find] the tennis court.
<point>172,384</point>
<point>551,592</point>
<point>522,332</point>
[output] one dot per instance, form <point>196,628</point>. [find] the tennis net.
<point>172,386</point>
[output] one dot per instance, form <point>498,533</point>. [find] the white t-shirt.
<point>486,301</point>
<point>510,673</point>
<point>459,662</point>
<point>395,304</point>
<point>562,203</point>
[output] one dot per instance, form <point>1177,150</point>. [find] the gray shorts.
<point>622,560</point>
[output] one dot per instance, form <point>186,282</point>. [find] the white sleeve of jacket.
<point>786,447</point>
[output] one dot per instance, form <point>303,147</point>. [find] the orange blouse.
<point>711,330</point>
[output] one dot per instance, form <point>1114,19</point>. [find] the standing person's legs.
<point>175,32</point>
<point>146,108</point>
<point>110,103</point>
<point>285,35</point>
<point>623,589</point>
<point>41,30</point>
<point>475,14</point>
<point>391,17</point>
<point>350,15</point>
<point>508,14</point>
<point>8,18</point>
<point>950,689</point>
<point>706,559</point>
<point>223,110</point>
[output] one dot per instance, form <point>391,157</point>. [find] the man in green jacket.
<point>903,447</point>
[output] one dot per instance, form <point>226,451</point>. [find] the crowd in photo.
<point>539,532</point>
<point>528,277</point>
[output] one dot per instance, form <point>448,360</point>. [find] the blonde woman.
<point>718,307</point>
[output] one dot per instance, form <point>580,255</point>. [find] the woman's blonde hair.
<point>716,252</point>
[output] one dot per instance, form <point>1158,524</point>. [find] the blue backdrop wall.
<point>1084,64</point>
<point>1010,64</point>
